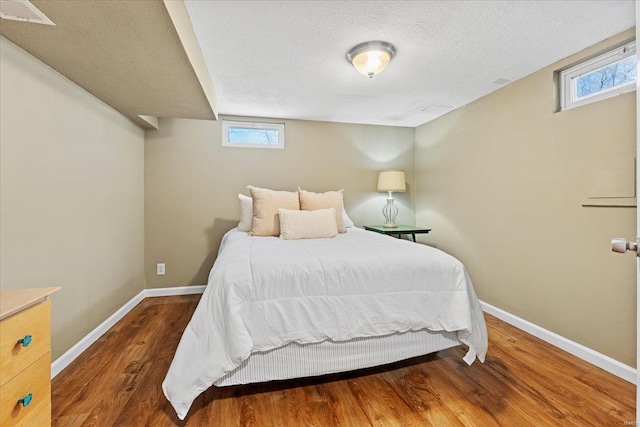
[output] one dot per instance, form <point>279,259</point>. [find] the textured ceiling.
<point>286,59</point>
<point>129,54</point>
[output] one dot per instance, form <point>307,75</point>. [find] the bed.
<point>277,309</point>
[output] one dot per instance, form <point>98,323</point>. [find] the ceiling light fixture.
<point>370,58</point>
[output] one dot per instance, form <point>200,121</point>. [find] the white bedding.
<point>265,292</point>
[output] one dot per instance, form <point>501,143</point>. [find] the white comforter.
<point>265,292</point>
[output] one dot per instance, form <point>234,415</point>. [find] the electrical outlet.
<point>160,269</point>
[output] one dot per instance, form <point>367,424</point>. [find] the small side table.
<point>398,231</point>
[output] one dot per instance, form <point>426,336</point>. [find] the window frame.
<point>568,88</point>
<point>227,124</point>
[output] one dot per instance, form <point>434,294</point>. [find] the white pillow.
<point>246,213</point>
<point>317,224</point>
<point>345,218</point>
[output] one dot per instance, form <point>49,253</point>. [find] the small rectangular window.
<point>613,73</point>
<point>252,134</point>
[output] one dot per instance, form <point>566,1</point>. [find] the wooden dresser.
<point>25,357</point>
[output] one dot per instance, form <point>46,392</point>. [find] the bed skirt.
<point>307,360</point>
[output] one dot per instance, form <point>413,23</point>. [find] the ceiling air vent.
<point>22,10</point>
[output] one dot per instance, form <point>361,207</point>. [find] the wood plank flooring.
<point>524,382</point>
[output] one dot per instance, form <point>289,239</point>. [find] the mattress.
<point>266,293</point>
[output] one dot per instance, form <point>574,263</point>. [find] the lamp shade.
<point>392,181</point>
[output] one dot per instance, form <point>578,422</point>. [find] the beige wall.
<point>71,196</point>
<point>192,183</point>
<point>501,182</point>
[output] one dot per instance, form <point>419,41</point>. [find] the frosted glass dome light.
<point>370,58</point>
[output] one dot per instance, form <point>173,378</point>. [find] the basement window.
<point>252,134</point>
<point>609,74</point>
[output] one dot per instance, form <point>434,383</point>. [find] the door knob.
<point>621,245</point>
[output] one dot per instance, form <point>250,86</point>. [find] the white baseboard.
<point>585,353</point>
<point>180,290</point>
<point>70,355</point>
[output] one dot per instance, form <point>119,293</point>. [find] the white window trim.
<point>567,84</point>
<point>226,124</point>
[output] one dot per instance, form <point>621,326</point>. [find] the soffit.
<point>129,54</point>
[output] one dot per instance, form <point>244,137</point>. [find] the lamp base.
<point>390,211</point>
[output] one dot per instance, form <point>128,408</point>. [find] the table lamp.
<point>390,181</point>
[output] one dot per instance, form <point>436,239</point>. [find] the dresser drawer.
<point>41,419</point>
<point>15,357</point>
<point>34,380</point>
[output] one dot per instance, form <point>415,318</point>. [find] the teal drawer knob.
<point>25,400</point>
<point>25,341</point>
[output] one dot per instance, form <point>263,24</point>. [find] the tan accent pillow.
<point>265,209</point>
<point>317,224</point>
<point>331,199</point>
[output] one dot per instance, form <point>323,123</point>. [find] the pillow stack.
<point>292,214</point>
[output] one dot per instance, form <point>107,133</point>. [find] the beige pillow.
<point>265,209</point>
<point>317,224</point>
<point>331,199</point>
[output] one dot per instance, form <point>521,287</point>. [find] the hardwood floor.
<point>524,382</point>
